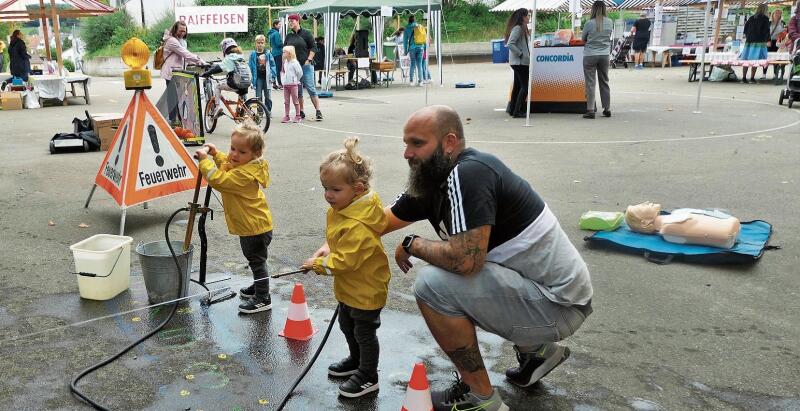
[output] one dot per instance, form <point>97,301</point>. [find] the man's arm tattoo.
<point>467,358</point>
<point>463,253</point>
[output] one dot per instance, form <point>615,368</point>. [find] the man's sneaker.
<point>458,397</point>
<point>319,115</point>
<point>358,385</point>
<point>248,292</point>
<point>343,368</point>
<point>302,114</point>
<point>533,367</point>
<point>255,305</point>
<point>285,119</point>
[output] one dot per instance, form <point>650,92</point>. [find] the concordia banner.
<point>213,19</point>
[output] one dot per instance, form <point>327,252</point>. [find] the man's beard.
<point>425,177</point>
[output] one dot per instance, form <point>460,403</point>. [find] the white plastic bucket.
<point>103,265</point>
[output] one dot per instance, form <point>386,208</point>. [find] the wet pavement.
<point>661,337</point>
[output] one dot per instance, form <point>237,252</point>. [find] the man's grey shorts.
<point>500,301</point>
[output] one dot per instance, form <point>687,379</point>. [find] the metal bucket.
<point>159,271</point>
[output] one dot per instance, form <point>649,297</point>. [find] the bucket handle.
<point>84,274</point>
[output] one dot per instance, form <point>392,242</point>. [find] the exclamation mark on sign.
<point>151,129</point>
<point>121,143</point>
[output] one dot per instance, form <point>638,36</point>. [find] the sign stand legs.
<point>122,221</point>
<point>91,193</point>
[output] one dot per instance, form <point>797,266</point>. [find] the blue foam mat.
<point>750,244</point>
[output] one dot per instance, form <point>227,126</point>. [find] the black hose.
<point>314,358</point>
<point>73,385</point>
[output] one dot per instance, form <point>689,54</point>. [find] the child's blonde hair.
<point>260,37</point>
<point>349,163</point>
<point>292,53</point>
<point>251,133</point>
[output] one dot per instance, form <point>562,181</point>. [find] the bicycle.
<point>238,110</point>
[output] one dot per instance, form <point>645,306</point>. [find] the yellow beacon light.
<point>135,55</point>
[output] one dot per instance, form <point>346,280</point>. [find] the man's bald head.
<point>441,119</point>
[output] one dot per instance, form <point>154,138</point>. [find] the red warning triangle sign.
<point>146,160</point>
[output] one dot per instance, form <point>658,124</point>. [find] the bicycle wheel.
<point>209,121</point>
<point>257,112</point>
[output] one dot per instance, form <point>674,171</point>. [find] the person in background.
<point>794,28</point>
<point>263,69</point>
<point>319,58</point>
<point>305,49</point>
<point>19,61</point>
<point>641,36</point>
<point>517,41</point>
<point>276,47</point>
<point>775,29</point>
<point>756,33</point>
<point>596,52</point>
<point>176,56</point>
<point>292,75</point>
<point>414,49</point>
<point>2,56</point>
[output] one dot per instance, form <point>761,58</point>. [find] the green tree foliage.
<point>110,29</point>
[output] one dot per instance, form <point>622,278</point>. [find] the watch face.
<point>407,241</point>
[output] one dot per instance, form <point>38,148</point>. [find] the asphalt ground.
<point>675,336</point>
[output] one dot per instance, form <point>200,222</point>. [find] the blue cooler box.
<point>499,51</point>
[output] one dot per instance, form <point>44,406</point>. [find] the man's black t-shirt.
<point>479,191</point>
<point>642,29</point>
<point>303,43</point>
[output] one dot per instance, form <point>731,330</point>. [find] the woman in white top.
<point>597,36</point>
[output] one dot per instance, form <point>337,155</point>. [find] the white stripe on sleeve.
<point>457,220</point>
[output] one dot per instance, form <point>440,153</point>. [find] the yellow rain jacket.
<point>246,209</point>
<point>357,259</point>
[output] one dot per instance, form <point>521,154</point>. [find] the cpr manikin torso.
<point>684,226</point>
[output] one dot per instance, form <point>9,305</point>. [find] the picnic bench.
<point>694,65</point>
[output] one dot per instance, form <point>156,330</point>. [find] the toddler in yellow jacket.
<point>240,176</point>
<point>357,262</point>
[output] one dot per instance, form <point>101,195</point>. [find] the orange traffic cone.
<point>418,393</point>
<point>298,323</point>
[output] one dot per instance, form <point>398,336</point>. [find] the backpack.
<point>420,34</point>
<point>158,57</point>
<point>241,77</point>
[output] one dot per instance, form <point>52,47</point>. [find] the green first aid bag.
<point>601,220</point>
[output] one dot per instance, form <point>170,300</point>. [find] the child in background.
<point>356,259</point>
<point>240,176</point>
<point>262,67</point>
<point>291,73</point>
<point>231,61</point>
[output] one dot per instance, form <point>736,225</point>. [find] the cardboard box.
<point>11,100</point>
<point>105,125</point>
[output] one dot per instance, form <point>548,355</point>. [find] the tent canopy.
<point>26,10</point>
<point>361,7</point>
<point>546,5</point>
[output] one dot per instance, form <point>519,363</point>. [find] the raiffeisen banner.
<point>213,19</point>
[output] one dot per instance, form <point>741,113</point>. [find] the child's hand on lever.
<point>308,264</point>
<point>211,148</point>
<point>201,153</point>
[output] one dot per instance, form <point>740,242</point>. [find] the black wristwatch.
<point>407,242</point>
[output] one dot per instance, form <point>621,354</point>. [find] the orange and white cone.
<point>298,323</point>
<point>418,393</point>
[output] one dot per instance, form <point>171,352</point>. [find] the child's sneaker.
<point>255,305</point>
<point>358,385</point>
<point>343,368</point>
<point>298,119</point>
<point>459,397</point>
<point>248,292</point>
<point>534,366</point>
<point>285,119</point>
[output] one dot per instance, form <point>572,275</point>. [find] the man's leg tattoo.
<point>467,358</point>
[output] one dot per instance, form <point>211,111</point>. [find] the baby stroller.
<point>792,90</point>
<point>619,55</point>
